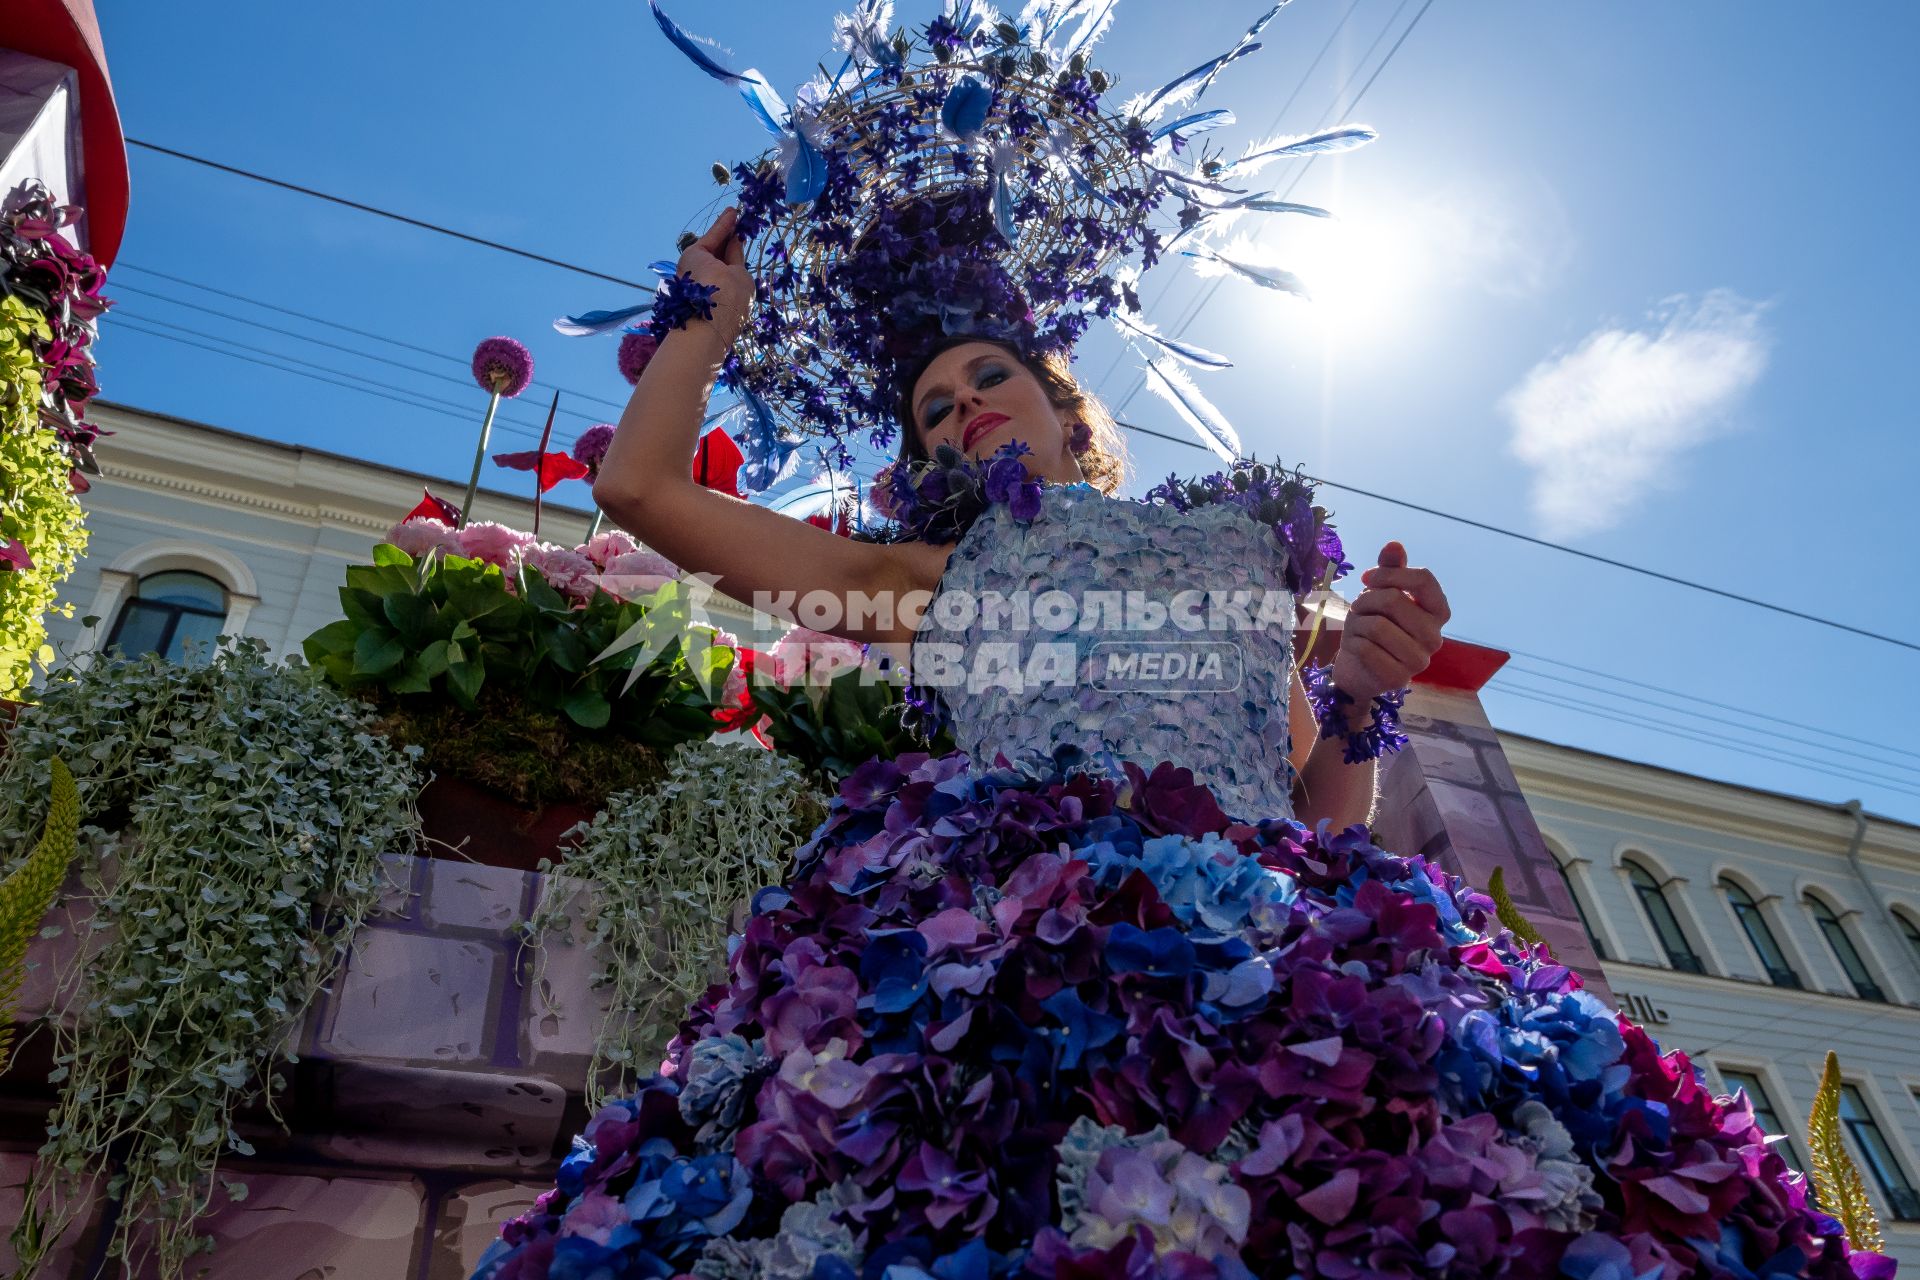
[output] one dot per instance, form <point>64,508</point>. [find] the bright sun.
<point>1363,273</point>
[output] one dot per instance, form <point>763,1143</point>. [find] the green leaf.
<point>541,595</point>
<point>412,680</point>
<point>376,652</point>
<point>465,679</point>
<point>434,658</point>
<point>588,708</point>
<point>412,616</point>
<point>386,553</point>
<point>334,638</point>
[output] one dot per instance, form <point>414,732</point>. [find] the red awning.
<point>66,31</point>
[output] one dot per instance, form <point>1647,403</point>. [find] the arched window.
<point>1765,945</point>
<point>1910,931</point>
<point>1580,908</point>
<point>177,614</point>
<point>1843,949</point>
<point>1666,925</point>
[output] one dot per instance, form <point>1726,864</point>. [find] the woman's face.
<point>978,397</point>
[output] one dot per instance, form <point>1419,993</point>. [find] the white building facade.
<point>1754,932</point>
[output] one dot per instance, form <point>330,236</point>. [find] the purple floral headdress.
<point>964,178</point>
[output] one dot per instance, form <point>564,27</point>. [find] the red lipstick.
<point>981,424</point>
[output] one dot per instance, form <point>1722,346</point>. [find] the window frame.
<point>1831,927</point>
<point>1880,1156</point>
<point>1761,1098</point>
<point>1747,913</point>
<point>173,610</point>
<point>1648,890</point>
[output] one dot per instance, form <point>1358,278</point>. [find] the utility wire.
<point>1873,758</point>
<point>132,326</point>
<point>1885,748</point>
<point>466,383</point>
<point>1621,564</point>
<point>1780,742</point>
<point>123,265</point>
<point>1636,722</point>
<point>378,212</point>
<point>122,319</point>
<point>335,325</point>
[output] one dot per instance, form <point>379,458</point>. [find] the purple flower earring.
<point>1080,438</point>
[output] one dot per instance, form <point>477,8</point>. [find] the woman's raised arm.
<point>758,557</point>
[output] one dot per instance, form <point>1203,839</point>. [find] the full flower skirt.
<point>1068,1019</point>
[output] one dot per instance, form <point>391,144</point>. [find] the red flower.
<point>742,714</point>
<point>840,522</point>
<point>553,467</point>
<point>13,555</point>
<point>432,508</point>
<point>717,462</point>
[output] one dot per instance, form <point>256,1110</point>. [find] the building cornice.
<point>1548,770</point>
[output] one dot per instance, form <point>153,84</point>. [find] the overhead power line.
<point>1883,748</point>
<point>378,212</point>
<point>1667,729</point>
<point>403,344</point>
<point>218,345</point>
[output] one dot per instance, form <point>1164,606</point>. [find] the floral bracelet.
<point>1329,702</point>
<point>681,300</point>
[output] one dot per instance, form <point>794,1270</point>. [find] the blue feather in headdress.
<point>1265,277</point>
<point>760,95</point>
<point>1198,122</point>
<point>1190,86</point>
<point>1329,142</point>
<point>1197,356</point>
<point>1169,381</point>
<point>593,322</point>
<point>964,113</point>
<point>808,176</point>
<point>1091,29</point>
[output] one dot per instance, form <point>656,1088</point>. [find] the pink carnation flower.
<point>601,548</point>
<point>423,535</point>
<point>636,573</point>
<point>804,655</point>
<point>566,571</point>
<point>494,543</point>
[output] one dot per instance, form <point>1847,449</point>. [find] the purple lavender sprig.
<point>1381,737</point>
<point>681,300</point>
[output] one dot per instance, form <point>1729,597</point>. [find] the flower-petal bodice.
<point>1206,689</point>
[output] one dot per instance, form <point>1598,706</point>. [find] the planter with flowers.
<point>50,305</point>
<point>499,657</point>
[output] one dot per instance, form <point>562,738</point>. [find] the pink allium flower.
<point>566,571</point>
<point>502,366</point>
<point>421,536</point>
<point>591,448</point>
<point>803,655</point>
<point>603,547</point>
<point>636,573</point>
<point>494,543</point>
<point>636,352</point>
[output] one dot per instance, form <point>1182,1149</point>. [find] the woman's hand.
<point>1392,631</point>
<point>719,259</point>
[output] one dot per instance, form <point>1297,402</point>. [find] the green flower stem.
<point>479,459</point>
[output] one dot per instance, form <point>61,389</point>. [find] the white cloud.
<point>1606,421</point>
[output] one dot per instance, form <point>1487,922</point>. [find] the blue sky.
<point>1636,277</point>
